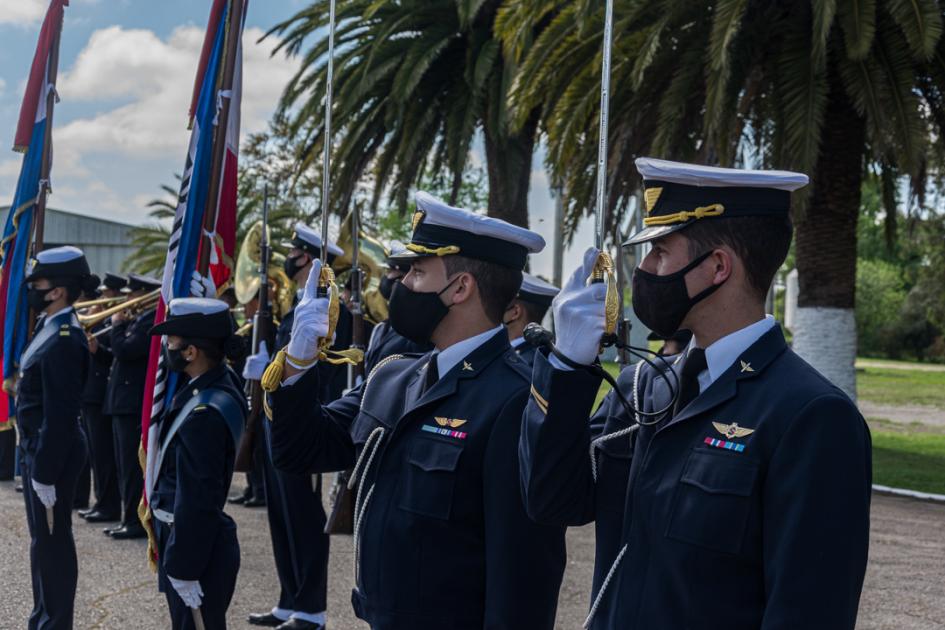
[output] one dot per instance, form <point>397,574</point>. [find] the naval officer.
<point>130,344</point>
<point>441,537</point>
<point>293,501</point>
<point>53,447</point>
<point>529,306</point>
<point>198,553</point>
<point>745,505</point>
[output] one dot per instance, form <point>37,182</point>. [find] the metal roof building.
<point>106,243</point>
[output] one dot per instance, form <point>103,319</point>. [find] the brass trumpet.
<point>135,307</point>
<point>107,301</point>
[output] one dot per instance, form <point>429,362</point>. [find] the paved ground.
<point>905,584</point>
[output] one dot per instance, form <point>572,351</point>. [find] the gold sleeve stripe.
<point>542,403</point>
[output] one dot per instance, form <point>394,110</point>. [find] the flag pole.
<point>39,219</point>
<point>225,96</point>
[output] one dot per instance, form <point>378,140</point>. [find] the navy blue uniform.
<point>191,485</point>
<point>385,341</point>
<point>130,344</point>
<point>53,450</point>
<point>98,430</point>
<point>708,527</point>
<point>296,524</point>
<point>441,535</point>
<point>526,352</point>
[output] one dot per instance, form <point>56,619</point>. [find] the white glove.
<point>189,591</point>
<point>201,286</point>
<point>256,363</point>
<point>579,313</point>
<point>311,320</point>
<point>46,494</point>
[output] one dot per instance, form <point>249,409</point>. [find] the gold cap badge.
<point>418,217</point>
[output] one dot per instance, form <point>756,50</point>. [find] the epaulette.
<point>518,365</point>
<point>65,330</point>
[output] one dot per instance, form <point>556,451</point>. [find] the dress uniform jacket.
<point>130,344</point>
<point>192,485</point>
<point>442,539</point>
<point>527,352</point>
<point>749,509</point>
<point>386,341</point>
<point>53,452</point>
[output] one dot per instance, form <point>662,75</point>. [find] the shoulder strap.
<point>222,402</point>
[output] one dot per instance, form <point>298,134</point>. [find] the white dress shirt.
<point>723,353</point>
<point>515,343</point>
<point>447,358</point>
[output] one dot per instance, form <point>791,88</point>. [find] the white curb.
<point>912,494</point>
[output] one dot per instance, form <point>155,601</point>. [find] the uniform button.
<point>196,391</point>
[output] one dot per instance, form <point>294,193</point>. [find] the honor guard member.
<point>529,306</point>
<point>53,448</point>
<point>198,553</point>
<point>384,340</point>
<point>293,500</point>
<point>98,425</point>
<point>130,344</point>
<point>441,537</point>
<point>746,505</point>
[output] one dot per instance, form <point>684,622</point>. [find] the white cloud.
<point>22,12</point>
<point>3,86</point>
<point>153,79</point>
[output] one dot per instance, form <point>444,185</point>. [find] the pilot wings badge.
<point>732,430</point>
<point>453,423</point>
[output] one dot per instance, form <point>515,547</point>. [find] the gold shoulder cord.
<point>272,378</point>
<point>604,271</point>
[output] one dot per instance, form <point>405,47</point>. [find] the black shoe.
<point>254,503</point>
<point>300,624</point>
<point>18,487</point>
<point>95,516</point>
<point>129,532</point>
<point>85,512</point>
<point>239,499</point>
<point>108,531</point>
<point>264,619</point>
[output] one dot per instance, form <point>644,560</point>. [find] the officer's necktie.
<point>432,374</point>
<point>689,379</point>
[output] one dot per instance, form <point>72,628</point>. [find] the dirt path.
<point>903,414</point>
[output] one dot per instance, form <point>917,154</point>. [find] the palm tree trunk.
<point>509,166</point>
<point>825,328</point>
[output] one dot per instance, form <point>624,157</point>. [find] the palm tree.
<point>828,88</point>
<point>414,81</point>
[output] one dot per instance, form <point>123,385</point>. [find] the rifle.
<point>262,331</point>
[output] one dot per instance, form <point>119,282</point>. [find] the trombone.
<point>107,301</point>
<point>135,306</point>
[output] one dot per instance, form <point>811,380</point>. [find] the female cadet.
<point>53,448</point>
<point>198,554</point>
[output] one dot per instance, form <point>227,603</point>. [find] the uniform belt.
<point>164,517</point>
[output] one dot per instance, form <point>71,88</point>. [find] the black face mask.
<point>386,286</point>
<point>416,315</point>
<point>174,357</point>
<point>290,267</point>
<point>662,302</point>
<point>36,298</point>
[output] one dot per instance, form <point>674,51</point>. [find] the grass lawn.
<point>901,387</point>
<point>915,461</point>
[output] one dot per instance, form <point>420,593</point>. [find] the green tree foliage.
<point>413,83</point>
<point>881,294</point>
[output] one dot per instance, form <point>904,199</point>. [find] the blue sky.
<point>126,71</point>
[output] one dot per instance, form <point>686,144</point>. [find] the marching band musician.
<point>293,501</point>
<point>198,551</point>
<point>98,425</point>
<point>384,340</point>
<point>441,536</point>
<point>529,306</point>
<point>130,344</point>
<point>745,505</point>
<point>53,448</point>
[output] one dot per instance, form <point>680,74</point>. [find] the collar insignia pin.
<point>467,366</point>
<point>732,430</point>
<point>746,367</point>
